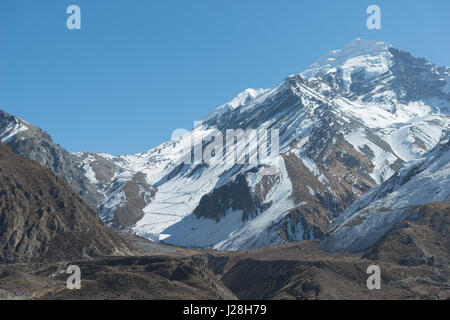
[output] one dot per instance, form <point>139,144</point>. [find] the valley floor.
<point>292,271</point>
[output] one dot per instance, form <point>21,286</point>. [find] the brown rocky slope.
<point>42,218</point>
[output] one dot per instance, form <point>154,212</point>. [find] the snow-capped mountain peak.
<point>346,124</point>
<point>369,55</point>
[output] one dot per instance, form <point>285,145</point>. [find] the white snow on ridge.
<point>254,233</point>
<point>240,100</point>
<point>90,174</point>
<point>382,159</point>
<point>173,201</point>
<point>372,56</point>
<point>12,130</point>
<point>243,97</point>
<point>409,130</point>
<point>429,130</point>
<point>86,166</point>
<point>376,115</point>
<point>371,216</point>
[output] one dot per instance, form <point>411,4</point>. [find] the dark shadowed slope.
<point>41,217</point>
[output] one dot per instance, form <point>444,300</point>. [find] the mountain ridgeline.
<point>349,128</point>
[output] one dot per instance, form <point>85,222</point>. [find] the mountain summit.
<point>372,57</point>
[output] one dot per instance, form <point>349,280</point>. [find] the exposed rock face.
<point>391,204</point>
<point>100,168</point>
<point>132,196</point>
<point>35,144</point>
<point>42,218</point>
<point>421,81</point>
<point>236,196</point>
<point>138,194</point>
<point>345,171</point>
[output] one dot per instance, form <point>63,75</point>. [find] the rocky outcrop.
<point>235,196</point>
<point>138,194</point>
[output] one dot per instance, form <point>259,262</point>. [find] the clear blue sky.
<point>138,69</point>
